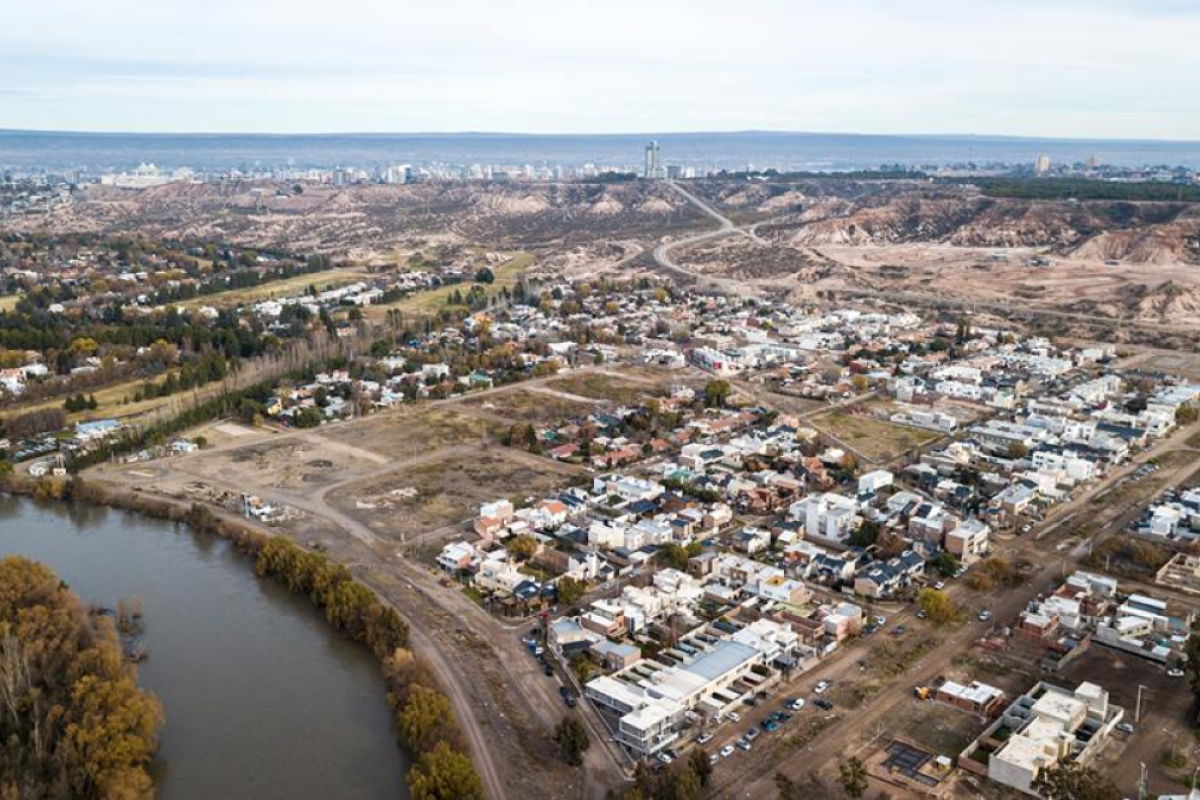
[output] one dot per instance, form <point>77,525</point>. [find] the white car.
<point>727,751</point>
<point>734,716</point>
<point>704,738</point>
<point>940,585</point>
<point>821,687</point>
<point>664,758</point>
<point>1125,727</point>
<point>985,615</point>
<point>1174,673</point>
<point>881,621</point>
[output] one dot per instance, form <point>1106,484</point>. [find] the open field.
<point>9,301</point>
<point>111,401</point>
<point>304,463</point>
<point>526,406</point>
<point>429,303</point>
<point>414,432</point>
<point>874,439</point>
<point>327,279</point>
<point>601,386</point>
<point>1184,364</point>
<point>415,501</point>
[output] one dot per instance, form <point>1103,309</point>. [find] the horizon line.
<point>625,134</point>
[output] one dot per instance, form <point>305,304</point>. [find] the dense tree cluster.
<point>426,723</point>
<point>73,722</point>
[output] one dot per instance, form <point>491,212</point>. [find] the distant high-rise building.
<point>652,161</point>
<point>1093,162</point>
<point>1043,164</point>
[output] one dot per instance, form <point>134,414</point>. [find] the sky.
<point>1070,68</point>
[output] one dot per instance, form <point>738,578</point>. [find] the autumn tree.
<point>937,605</point>
<point>522,547</point>
<point>73,721</point>
<point>716,393</point>
<point>425,718</point>
<point>570,590</point>
<point>444,774</point>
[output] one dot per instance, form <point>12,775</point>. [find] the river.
<point>262,699</point>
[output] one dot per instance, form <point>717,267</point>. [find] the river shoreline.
<point>249,540</point>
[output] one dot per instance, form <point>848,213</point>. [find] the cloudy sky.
<point>1091,68</point>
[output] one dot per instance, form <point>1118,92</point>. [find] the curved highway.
<point>662,253</point>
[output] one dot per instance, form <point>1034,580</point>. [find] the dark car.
<point>823,704</point>
<point>546,668</point>
<point>567,696</point>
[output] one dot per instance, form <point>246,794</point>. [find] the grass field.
<point>326,279</point>
<point>110,401</point>
<point>429,303</point>
<point>9,301</point>
<point>875,439</point>
<point>598,386</point>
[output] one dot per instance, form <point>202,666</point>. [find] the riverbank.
<point>350,608</point>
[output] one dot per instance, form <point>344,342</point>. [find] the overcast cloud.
<point>1091,68</point>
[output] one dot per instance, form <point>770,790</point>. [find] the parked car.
<point>794,704</point>
<point>985,615</point>
<point>567,696</point>
<point>734,716</point>
<point>751,734</point>
<point>546,668</point>
<point>821,687</point>
<point>727,751</point>
<point>704,738</point>
<point>881,621</point>
<point>1175,673</point>
<point>898,630</point>
<point>664,758</point>
<point>745,745</point>
<point>1126,727</point>
<point>823,704</point>
<point>770,726</point>
<point>713,758</point>
<point>940,585</point>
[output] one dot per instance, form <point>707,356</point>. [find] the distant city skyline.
<point>1042,68</point>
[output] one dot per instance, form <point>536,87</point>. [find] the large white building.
<point>1046,727</point>
<point>828,516</point>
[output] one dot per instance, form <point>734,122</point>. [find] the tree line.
<point>423,715</point>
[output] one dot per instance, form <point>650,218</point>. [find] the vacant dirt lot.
<point>601,386</point>
<point>875,439</point>
<point>412,502</point>
<point>529,407</point>
<point>415,431</point>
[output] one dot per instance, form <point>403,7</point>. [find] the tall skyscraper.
<point>1043,165</point>
<point>652,161</point>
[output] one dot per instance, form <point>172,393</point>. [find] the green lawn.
<point>434,300</point>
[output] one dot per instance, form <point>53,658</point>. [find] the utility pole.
<point>1137,717</point>
<point>1142,783</point>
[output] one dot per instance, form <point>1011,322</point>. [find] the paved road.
<point>662,253</point>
